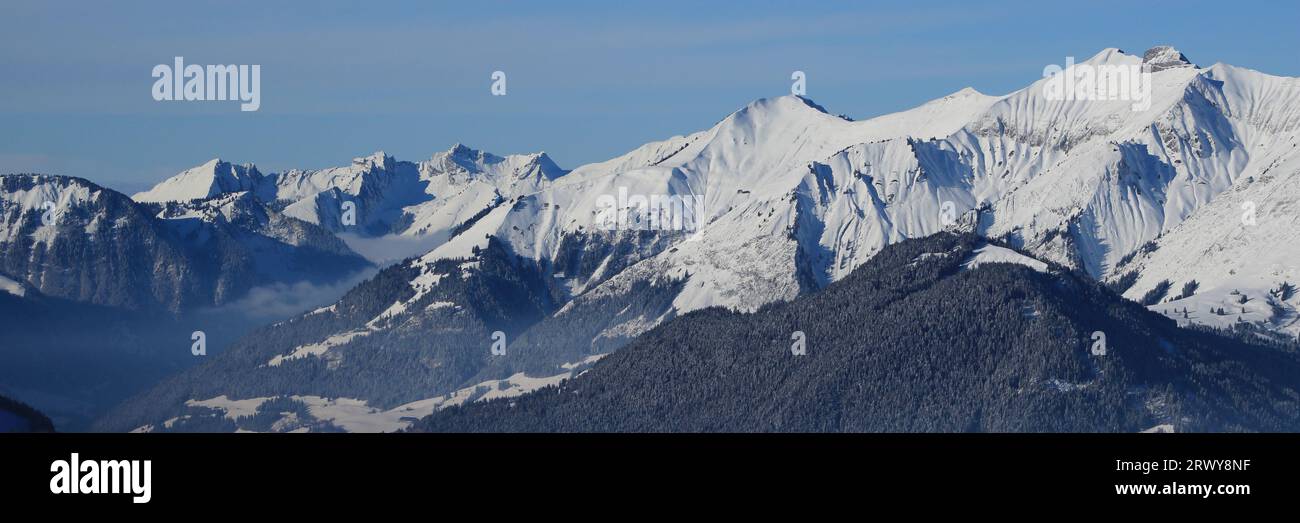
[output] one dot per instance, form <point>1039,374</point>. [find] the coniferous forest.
<point>916,341</point>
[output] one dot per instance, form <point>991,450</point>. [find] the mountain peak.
<point>460,149</point>
<point>212,178</point>
<point>1163,57</point>
<point>539,157</point>
<point>1109,55</point>
<point>964,93</point>
<point>785,104</point>
<point>808,102</point>
<point>218,165</point>
<point>378,160</point>
<point>547,165</point>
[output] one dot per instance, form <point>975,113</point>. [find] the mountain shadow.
<point>930,335</point>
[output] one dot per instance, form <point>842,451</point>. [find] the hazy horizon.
<point>587,81</point>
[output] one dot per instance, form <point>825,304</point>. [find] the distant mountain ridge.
<point>101,296</point>
<point>1092,184</point>
<point>16,416</point>
<point>391,196</point>
<point>796,199</point>
<point>70,238</point>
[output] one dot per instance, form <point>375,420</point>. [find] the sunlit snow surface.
<point>12,287</point>
<point>354,415</point>
<point>796,198</point>
<point>994,254</point>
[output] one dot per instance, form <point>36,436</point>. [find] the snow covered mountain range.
<point>70,238</point>
<point>100,294</point>
<point>389,197</point>
<point>1188,204</point>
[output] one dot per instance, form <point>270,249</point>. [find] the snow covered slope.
<point>795,198</point>
<point>69,238</point>
<point>205,181</point>
<point>994,254</point>
<point>10,286</point>
<point>785,198</point>
<point>1082,182</point>
<point>376,195</point>
<point>271,245</point>
<point>1239,250</point>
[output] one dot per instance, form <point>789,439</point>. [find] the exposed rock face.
<point>1163,57</point>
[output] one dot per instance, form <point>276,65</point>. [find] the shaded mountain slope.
<point>919,339</point>
<point>16,416</point>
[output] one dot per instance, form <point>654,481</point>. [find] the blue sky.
<point>586,80</point>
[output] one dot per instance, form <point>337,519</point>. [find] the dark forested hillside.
<point>442,345</point>
<point>75,360</point>
<point>389,344</point>
<point>16,416</point>
<point>915,341</point>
